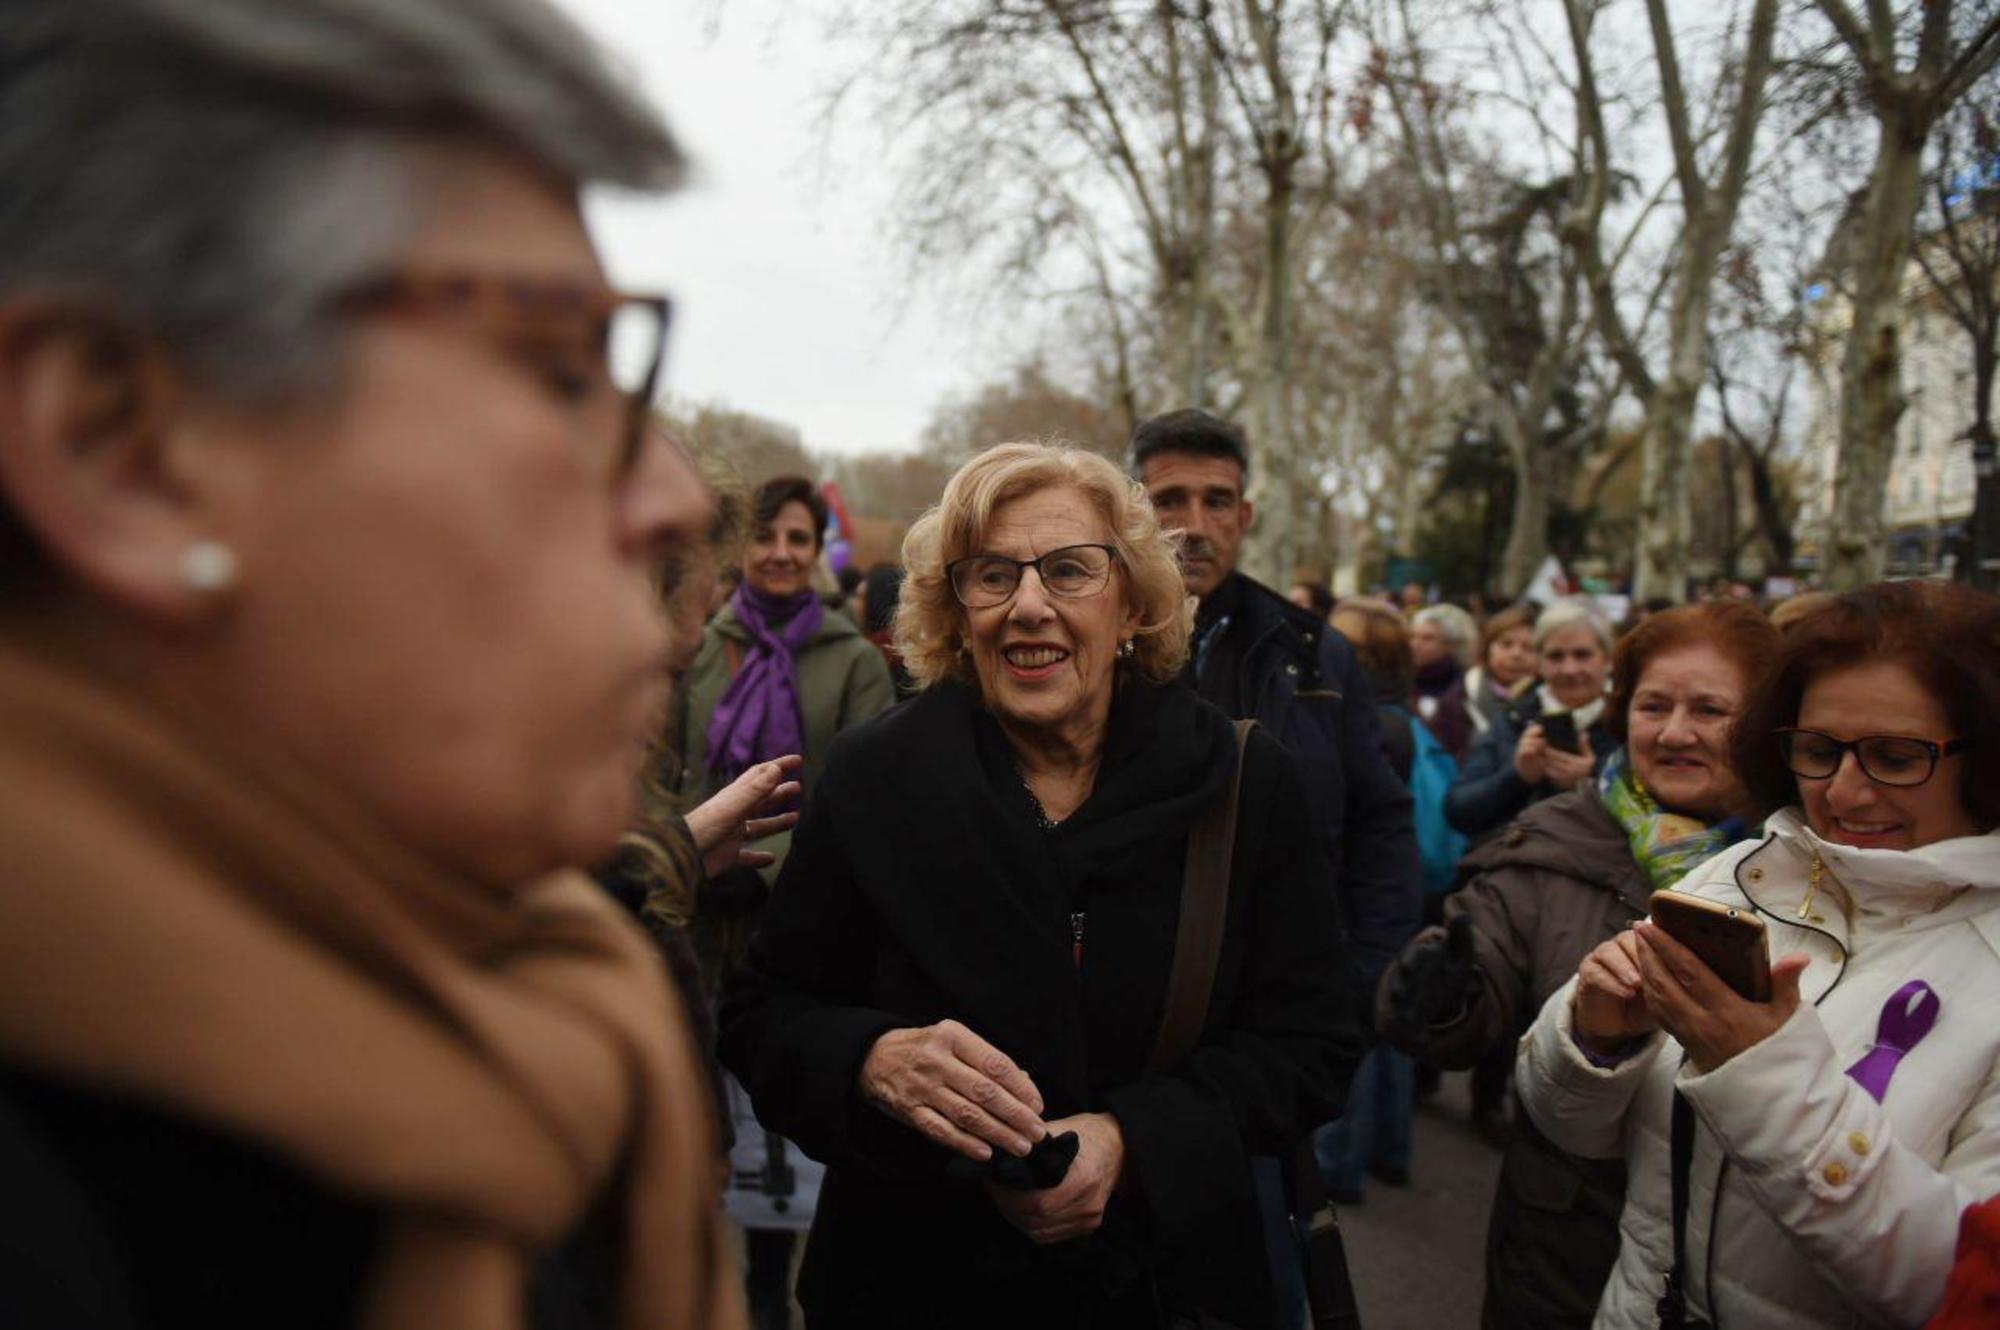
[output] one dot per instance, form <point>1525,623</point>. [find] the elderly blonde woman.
<point>969,946</point>
<point>329,648</point>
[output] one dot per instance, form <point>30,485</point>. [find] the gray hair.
<point>1569,612</point>
<point>215,171</point>
<point>1461,634</point>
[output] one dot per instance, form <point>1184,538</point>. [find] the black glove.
<point>1045,1165</point>
<point>1433,983</point>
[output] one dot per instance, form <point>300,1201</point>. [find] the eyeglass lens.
<point>1889,759</point>
<point>989,579</point>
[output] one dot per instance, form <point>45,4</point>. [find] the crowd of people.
<point>458,843</point>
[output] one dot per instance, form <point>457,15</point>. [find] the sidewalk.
<point>1418,1252</point>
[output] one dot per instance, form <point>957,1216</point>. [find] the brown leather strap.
<point>1204,903</point>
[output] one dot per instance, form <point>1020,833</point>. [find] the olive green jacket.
<point>843,680</point>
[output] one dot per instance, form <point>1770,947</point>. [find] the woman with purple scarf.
<point>777,673</point>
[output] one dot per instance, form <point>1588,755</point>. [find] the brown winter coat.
<point>1557,882</point>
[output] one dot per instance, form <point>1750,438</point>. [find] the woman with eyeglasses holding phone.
<point>1804,1161</point>
<point>956,996</point>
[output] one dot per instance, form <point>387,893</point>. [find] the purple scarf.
<point>759,716</point>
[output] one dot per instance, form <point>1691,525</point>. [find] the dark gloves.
<point>1045,1165</point>
<point>1434,978</point>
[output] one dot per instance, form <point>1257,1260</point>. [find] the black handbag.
<point>1190,983</point>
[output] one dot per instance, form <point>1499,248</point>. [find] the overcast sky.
<point>787,297</point>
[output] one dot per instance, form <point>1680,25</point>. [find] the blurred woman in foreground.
<point>329,647</point>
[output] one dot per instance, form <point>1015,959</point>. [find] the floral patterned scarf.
<point>1668,846</point>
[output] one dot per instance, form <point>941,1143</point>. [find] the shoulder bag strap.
<point>1204,903</point>
<point>1672,1306</point>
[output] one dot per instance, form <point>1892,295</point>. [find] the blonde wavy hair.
<point>930,623</point>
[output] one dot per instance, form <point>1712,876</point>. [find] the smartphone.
<point>1729,941</point>
<point>1559,728</point>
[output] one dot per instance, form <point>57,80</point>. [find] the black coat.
<point>116,1214</point>
<point>1298,678</point>
<point>919,888</point>
<point>1489,793</point>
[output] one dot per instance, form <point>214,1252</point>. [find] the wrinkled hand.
<point>1433,981</point>
<point>1709,1018</point>
<point>1073,1208</point>
<point>954,1087</point>
<point>1608,1008</point>
<point>1563,770</point>
<point>745,811</point>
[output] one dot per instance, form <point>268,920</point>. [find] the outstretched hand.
<point>743,811</point>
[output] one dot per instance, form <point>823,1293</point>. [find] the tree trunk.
<point>1871,366</point>
<point>1528,540</point>
<point>1274,459</point>
<point>1660,554</point>
<point>1772,521</point>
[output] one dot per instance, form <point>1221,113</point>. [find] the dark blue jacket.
<point>1489,793</point>
<point>1301,681</point>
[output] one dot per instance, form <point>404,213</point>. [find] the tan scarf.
<point>482,1064</point>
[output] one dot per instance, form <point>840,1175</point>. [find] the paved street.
<point>1417,1252</point>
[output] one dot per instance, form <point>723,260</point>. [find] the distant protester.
<point>1314,597</point>
<point>1804,1161</point>
<point>1570,872</point>
<point>1506,666</point>
<point>1444,643</point>
<point>1516,763</point>
<point>779,673</point>
<point>881,592</point>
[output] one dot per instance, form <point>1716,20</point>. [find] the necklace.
<point>1042,818</point>
<point>1812,886</point>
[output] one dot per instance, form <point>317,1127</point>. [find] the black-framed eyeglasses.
<point>605,347</point>
<point>983,580</point>
<point>1886,759</point>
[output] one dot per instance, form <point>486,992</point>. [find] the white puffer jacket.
<point>1833,1210</point>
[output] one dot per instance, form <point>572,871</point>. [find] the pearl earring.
<point>208,566</point>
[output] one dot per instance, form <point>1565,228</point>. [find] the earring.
<point>208,566</point>
<point>1125,649</point>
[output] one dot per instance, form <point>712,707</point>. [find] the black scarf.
<point>999,928</point>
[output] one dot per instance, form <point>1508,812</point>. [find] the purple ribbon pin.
<point>1906,1018</point>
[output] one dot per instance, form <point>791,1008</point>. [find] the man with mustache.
<point>1258,655</point>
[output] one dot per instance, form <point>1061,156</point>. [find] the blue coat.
<point>1301,681</point>
<point>1489,793</point>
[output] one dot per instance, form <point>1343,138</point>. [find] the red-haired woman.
<point>1829,1138</point>
<point>1569,873</point>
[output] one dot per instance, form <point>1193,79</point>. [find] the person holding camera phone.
<point>1805,1161</point>
<point>1569,873</point>
<point>1551,737</point>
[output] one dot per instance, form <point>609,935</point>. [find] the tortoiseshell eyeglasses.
<point>601,350</point>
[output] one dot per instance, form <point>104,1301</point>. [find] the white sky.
<point>788,301</point>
